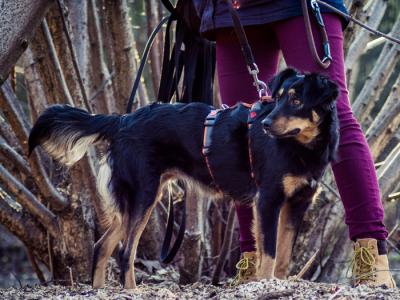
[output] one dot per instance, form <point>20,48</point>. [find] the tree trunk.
<point>18,20</point>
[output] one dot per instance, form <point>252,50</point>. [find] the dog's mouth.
<point>288,134</point>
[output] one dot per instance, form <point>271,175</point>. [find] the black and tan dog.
<point>290,142</point>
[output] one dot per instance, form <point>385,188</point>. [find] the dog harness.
<point>211,120</point>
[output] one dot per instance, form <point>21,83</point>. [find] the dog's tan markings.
<point>136,233</point>
<point>292,183</point>
<point>265,263</point>
<point>286,233</point>
<point>308,130</point>
<point>307,135</point>
<point>315,116</point>
<point>103,250</point>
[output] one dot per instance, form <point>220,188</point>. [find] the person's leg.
<point>354,169</point>
<point>236,85</point>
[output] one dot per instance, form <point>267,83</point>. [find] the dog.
<point>290,143</point>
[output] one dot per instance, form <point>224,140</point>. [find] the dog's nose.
<point>267,123</point>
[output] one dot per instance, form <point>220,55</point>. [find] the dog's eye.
<point>295,102</point>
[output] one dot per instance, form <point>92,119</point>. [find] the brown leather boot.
<point>246,269</point>
<point>368,267</point>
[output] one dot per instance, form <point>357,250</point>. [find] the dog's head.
<point>305,106</point>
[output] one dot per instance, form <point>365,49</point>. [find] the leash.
<point>146,52</point>
<point>352,19</point>
<point>167,254</point>
<point>327,60</point>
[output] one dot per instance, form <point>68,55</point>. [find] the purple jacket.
<point>214,13</point>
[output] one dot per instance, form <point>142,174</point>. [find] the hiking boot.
<point>246,269</point>
<point>368,267</point>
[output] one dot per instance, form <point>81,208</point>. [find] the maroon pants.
<point>354,169</point>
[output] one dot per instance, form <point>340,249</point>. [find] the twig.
<point>71,279</point>
<point>276,295</point>
<point>226,244</point>
<point>62,9</point>
<point>19,281</point>
<point>50,252</point>
<point>393,246</point>
<point>335,294</point>
<point>102,86</point>
<point>56,63</point>
<point>307,265</point>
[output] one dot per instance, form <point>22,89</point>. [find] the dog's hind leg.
<point>134,229</point>
<point>103,250</point>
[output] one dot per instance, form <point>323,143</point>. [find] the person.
<point>275,27</point>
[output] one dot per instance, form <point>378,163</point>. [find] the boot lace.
<point>363,265</point>
<point>242,266</point>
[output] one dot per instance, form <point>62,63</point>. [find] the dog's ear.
<point>276,82</point>
<point>324,90</point>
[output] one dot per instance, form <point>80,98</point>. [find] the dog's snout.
<point>267,123</point>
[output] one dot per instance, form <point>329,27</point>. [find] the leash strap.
<point>143,62</point>
<point>352,19</point>
<point>327,60</point>
<point>261,87</point>
<point>167,255</point>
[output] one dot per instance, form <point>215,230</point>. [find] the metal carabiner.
<point>260,85</point>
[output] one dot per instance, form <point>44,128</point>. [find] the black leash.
<point>167,255</point>
<point>143,63</point>
<point>350,18</point>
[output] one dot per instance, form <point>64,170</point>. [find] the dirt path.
<point>273,289</point>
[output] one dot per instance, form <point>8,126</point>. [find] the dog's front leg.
<point>266,216</point>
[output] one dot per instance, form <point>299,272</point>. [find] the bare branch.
<point>56,63</point>
<point>23,226</point>
<point>66,26</point>
<point>356,10</point>
<point>378,77</point>
<point>9,105</point>
<point>153,18</point>
<point>7,133</point>
<point>386,122</point>
<point>14,157</point>
<point>388,174</point>
<point>29,201</point>
<point>374,18</point>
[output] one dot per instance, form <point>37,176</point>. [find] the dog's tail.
<point>66,132</point>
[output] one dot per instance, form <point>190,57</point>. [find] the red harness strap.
<point>209,126</point>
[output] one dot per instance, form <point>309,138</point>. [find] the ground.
<point>272,289</point>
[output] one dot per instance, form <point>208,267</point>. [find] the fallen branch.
<point>29,201</point>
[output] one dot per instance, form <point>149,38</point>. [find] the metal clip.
<point>317,12</point>
<point>260,85</point>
